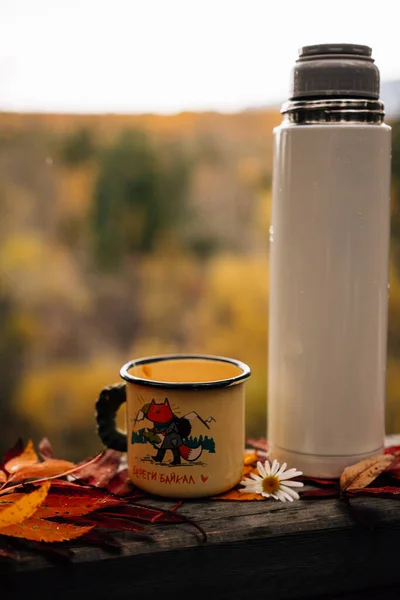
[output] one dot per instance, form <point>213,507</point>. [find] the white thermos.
<point>329,264</point>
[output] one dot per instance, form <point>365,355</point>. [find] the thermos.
<point>329,264</point>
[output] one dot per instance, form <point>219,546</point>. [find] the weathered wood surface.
<point>308,549</point>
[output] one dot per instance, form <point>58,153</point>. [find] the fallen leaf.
<point>56,505</point>
<point>27,457</point>
<point>100,473</point>
<point>45,449</point>
<point>235,494</point>
<point>23,508</point>
<point>3,477</point>
<point>72,471</point>
<point>325,492</point>
<point>383,490</point>
<point>121,485</point>
<point>250,457</point>
<point>317,481</point>
<point>364,472</point>
<point>117,523</point>
<point>41,530</point>
<point>49,468</point>
<point>16,450</point>
<point>258,444</point>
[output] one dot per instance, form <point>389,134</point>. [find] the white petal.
<point>265,494</point>
<point>267,467</point>
<point>255,477</point>
<point>290,473</point>
<point>281,470</point>
<point>261,469</point>
<point>293,483</point>
<point>275,467</point>
<point>281,496</point>
<point>275,496</point>
<point>289,492</point>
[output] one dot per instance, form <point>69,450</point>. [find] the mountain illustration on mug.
<point>171,432</point>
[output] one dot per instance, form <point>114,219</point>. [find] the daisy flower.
<point>273,481</point>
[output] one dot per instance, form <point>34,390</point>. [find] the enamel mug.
<point>185,423</point>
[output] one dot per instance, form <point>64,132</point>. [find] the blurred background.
<point>135,174</point>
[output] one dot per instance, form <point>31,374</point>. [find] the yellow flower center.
<point>270,484</point>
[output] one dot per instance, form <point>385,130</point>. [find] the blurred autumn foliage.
<point>123,236</point>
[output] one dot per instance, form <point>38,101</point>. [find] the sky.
<point>166,56</point>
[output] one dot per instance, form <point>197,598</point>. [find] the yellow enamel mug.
<point>185,423</point>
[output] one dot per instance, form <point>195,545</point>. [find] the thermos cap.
<point>335,70</point>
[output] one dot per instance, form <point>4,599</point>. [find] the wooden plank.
<point>307,549</point>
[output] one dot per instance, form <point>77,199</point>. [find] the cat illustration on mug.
<point>171,432</point>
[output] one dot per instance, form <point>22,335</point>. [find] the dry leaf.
<point>49,468</point>
<point>235,494</point>
<point>3,477</point>
<point>364,472</point>
<point>56,505</point>
<point>27,457</point>
<point>16,450</point>
<point>41,530</point>
<point>45,449</point>
<point>250,457</point>
<point>100,473</point>
<point>23,508</point>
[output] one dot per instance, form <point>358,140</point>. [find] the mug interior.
<point>189,370</point>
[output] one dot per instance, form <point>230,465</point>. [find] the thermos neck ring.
<point>333,110</point>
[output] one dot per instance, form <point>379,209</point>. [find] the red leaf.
<point>377,491</point>
<point>16,450</point>
<point>321,493</point>
<point>63,505</point>
<point>45,449</point>
<point>100,473</point>
<point>317,481</point>
<point>392,449</point>
<point>121,485</point>
<point>108,521</point>
<point>258,444</point>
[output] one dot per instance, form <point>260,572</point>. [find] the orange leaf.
<point>61,505</point>
<point>23,508</point>
<point>236,495</point>
<point>40,530</point>
<point>3,477</point>
<point>250,457</point>
<point>49,468</point>
<point>28,457</point>
<point>363,473</point>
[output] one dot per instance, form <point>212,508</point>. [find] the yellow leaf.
<point>28,457</point>
<point>363,473</point>
<point>24,508</point>
<point>41,530</point>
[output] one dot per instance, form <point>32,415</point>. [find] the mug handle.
<point>110,400</point>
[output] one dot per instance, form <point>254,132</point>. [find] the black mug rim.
<point>200,385</point>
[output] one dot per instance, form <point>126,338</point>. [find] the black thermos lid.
<point>335,70</point>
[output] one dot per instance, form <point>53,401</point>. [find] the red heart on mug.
<point>204,478</point>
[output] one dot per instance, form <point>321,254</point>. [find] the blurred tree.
<point>79,147</point>
<point>12,348</point>
<point>395,217</point>
<point>139,194</point>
